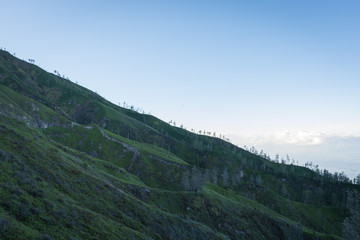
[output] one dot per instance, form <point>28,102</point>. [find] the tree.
<point>236,177</point>
<point>206,176</point>
<point>352,222</point>
<point>342,177</point>
<point>185,181</point>
<point>214,176</point>
<point>251,178</point>
<point>276,158</point>
<point>258,180</point>
<point>357,179</point>
<point>287,159</point>
<point>195,178</point>
<point>262,153</point>
<point>225,176</point>
<point>284,191</point>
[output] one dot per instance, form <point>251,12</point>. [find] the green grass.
<point>149,149</point>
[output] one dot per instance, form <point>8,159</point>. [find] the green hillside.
<point>75,166</point>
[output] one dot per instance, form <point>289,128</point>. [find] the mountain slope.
<point>75,166</point>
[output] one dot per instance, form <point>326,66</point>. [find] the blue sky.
<point>280,75</point>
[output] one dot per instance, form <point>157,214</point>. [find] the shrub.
<point>23,211</point>
<point>45,237</point>
<point>5,227</point>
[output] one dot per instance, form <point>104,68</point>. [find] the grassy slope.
<point>58,191</point>
<point>58,175</point>
<point>51,189</point>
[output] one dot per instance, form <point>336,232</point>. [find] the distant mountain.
<point>75,166</point>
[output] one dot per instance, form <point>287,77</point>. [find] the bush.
<point>45,237</point>
<point>23,211</point>
<point>5,227</point>
<point>4,156</point>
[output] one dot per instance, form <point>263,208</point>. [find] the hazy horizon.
<point>283,77</point>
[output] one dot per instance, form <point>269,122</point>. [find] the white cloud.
<point>333,151</point>
<point>299,137</point>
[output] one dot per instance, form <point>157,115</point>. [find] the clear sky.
<point>280,75</point>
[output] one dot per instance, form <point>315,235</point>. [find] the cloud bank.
<point>300,137</point>
<point>333,151</point>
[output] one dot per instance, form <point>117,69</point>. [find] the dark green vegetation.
<point>75,166</point>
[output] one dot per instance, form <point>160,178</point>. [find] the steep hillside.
<point>75,166</point>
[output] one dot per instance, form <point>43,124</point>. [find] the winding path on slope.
<point>126,146</point>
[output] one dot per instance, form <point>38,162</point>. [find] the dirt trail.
<point>126,146</point>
